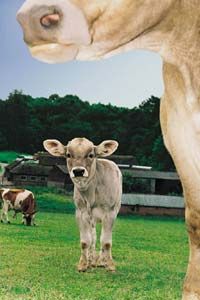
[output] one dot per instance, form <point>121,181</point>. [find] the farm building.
<point>42,170</point>
<point>145,191</point>
<point>26,172</point>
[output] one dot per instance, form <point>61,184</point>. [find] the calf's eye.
<point>68,155</point>
<point>91,155</point>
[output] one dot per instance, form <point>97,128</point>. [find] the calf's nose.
<point>79,172</point>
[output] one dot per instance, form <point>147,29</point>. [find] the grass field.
<point>39,263</point>
<point>8,156</point>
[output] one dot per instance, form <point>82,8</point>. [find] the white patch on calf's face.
<point>85,174</point>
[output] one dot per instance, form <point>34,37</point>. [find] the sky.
<point>124,80</point>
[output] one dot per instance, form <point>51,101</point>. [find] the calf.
<point>20,201</point>
<point>97,195</point>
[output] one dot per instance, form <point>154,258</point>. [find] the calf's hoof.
<point>8,222</point>
<point>93,261</point>
<point>110,266</point>
<point>100,262</point>
<point>1,221</point>
<point>82,265</point>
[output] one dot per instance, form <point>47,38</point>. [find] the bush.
<point>135,185</point>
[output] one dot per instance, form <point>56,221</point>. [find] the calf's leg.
<point>84,223</point>
<point>92,252</point>
<point>105,256</point>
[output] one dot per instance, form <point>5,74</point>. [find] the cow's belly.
<point>18,204</point>
<point>19,200</point>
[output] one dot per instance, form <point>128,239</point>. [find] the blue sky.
<point>124,80</point>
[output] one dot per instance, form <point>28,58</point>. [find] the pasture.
<point>39,263</point>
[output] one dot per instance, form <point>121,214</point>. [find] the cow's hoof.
<point>1,221</point>
<point>8,222</point>
<point>191,296</point>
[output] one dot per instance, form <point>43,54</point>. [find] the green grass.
<point>39,263</point>
<point>8,156</point>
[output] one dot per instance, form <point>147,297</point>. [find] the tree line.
<point>26,121</point>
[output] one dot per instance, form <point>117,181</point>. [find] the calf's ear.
<point>54,147</point>
<point>106,148</point>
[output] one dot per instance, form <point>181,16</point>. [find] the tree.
<point>26,121</point>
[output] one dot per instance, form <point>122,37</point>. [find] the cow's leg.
<point>105,256</point>
<point>191,289</point>
<point>84,222</point>
<point>4,213</point>
<point>186,156</point>
<point>180,122</point>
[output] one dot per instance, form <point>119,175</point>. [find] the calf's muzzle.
<point>79,172</point>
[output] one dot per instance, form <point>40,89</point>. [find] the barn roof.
<point>47,159</point>
<point>13,164</point>
<point>30,169</point>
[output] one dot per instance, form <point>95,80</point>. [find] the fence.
<point>159,200</point>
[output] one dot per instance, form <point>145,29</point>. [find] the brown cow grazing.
<point>18,200</point>
<point>97,195</point>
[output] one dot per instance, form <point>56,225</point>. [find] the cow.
<point>19,200</point>
<point>97,195</point>
<point>62,30</point>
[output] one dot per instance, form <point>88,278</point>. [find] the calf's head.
<point>81,155</point>
<point>28,219</point>
<point>61,30</point>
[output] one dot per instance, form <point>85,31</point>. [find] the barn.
<point>145,191</point>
